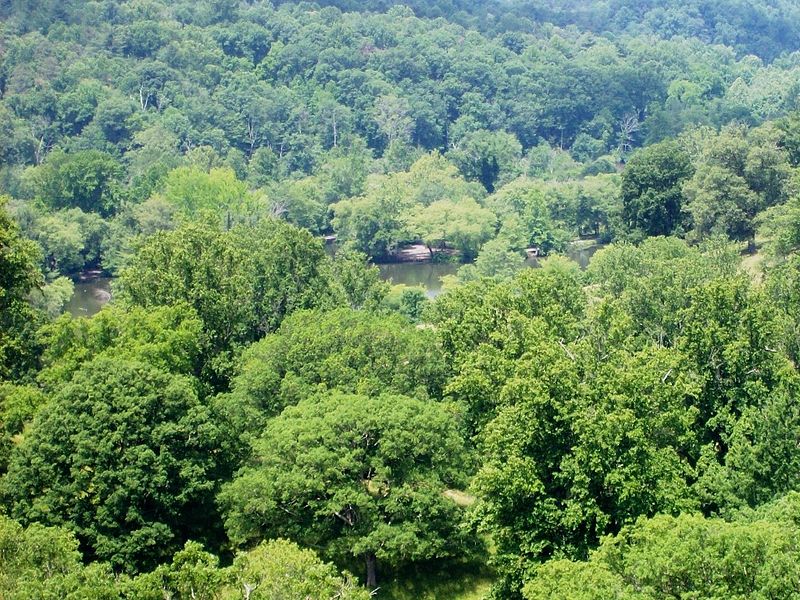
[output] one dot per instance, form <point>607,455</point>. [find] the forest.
<point>259,412</point>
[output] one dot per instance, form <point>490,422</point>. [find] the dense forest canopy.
<point>257,413</point>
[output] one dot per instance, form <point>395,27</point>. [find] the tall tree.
<point>127,457</point>
<point>19,274</point>
<point>652,194</point>
<point>359,477</point>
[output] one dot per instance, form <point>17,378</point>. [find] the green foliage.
<point>166,337</point>
<point>429,201</point>
<point>687,556</point>
<point>124,455</point>
<point>790,137</point>
<point>525,217</point>
<point>280,569</point>
<point>780,226</point>
<point>468,315</point>
<point>783,287</point>
<point>301,202</point>
<point>464,224</point>
<point>352,475</point>
<point>19,274</point>
<point>491,158</point>
<point>89,180</point>
<point>497,260</point>
<point>191,191</point>
<point>412,302</point>
<point>165,141</point>
<point>72,240</point>
<point>352,351</point>
<point>35,560</point>
<point>53,296</point>
<point>357,281</point>
<point>193,573</point>
<point>650,281</point>
<point>651,188</point>
<point>18,405</point>
<point>570,456</point>
<point>241,282</point>
<point>739,174</point>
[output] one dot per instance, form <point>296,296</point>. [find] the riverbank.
<point>416,269</point>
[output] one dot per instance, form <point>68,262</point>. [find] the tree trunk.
<point>372,579</point>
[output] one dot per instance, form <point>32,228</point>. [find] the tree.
<point>280,569</point>
<point>377,222</point>
<point>89,180</point>
<point>649,282</point>
<point>19,274</point>
<point>34,558</point>
<point>522,209</point>
<point>741,172</point>
<point>783,287</point>
<point>18,405</point>
<point>491,158</point>
<point>167,337</point>
<point>193,573</point>
<point>790,137</point>
<point>780,228</point>
<point>357,280</point>
<point>567,460</point>
<point>53,297</point>
<point>357,476</point>
<point>468,315</point>
<point>241,282</point>
<point>464,224</point>
<point>72,240</point>
<point>392,118</point>
<point>652,196</point>
<point>349,350</point>
<point>497,259</point>
<point>191,190</point>
<point>668,557</point>
<point>127,457</point>
<point>722,203</point>
<point>301,202</point>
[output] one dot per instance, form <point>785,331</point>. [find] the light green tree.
<point>464,224</point>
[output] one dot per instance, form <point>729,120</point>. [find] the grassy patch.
<point>462,499</point>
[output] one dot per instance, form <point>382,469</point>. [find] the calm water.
<point>90,296</point>
<point>428,275</point>
<point>582,256</point>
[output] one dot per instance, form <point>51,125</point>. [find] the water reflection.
<point>428,275</point>
<point>89,297</point>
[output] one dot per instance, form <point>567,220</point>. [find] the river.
<point>91,295</point>
<point>429,275</point>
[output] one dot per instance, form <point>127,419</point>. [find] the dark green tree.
<point>125,456</point>
<point>359,477</point>
<point>19,274</point>
<point>241,282</point>
<point>652,197</point>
